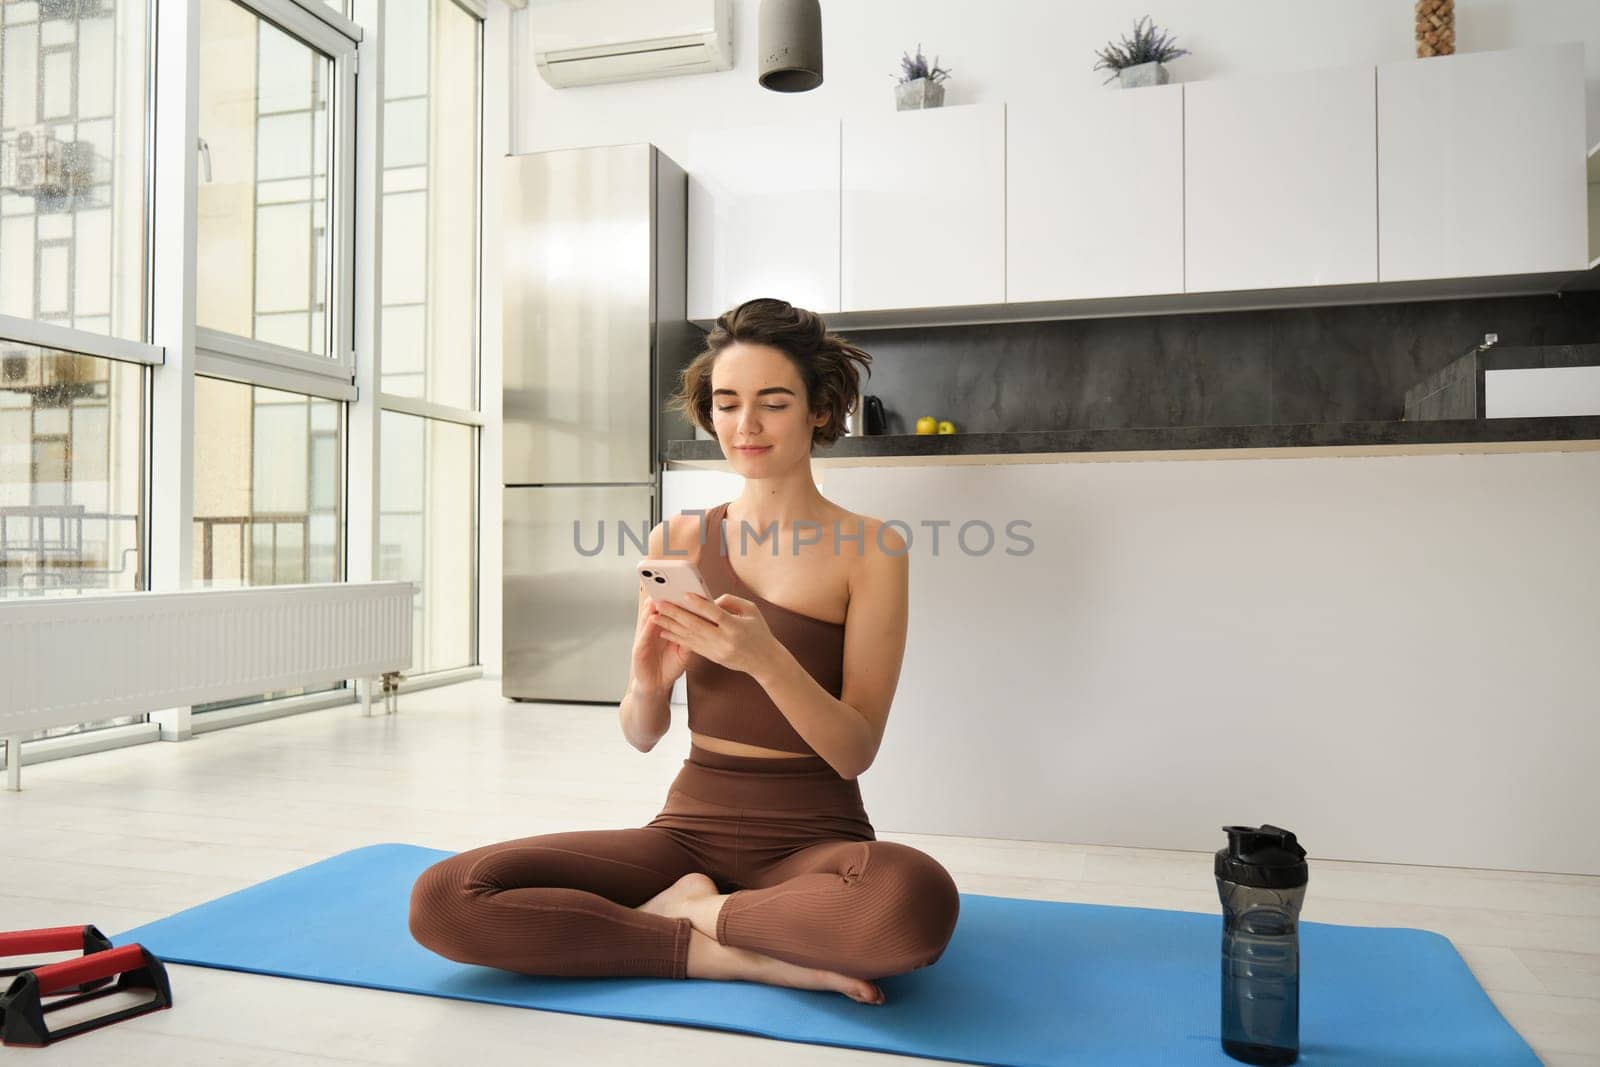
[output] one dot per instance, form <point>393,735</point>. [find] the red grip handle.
<point>50,939</point>
<point>87,968</point>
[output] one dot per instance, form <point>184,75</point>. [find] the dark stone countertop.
<point>1420,437</point>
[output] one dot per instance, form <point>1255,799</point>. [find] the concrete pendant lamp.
<point>791,45</point>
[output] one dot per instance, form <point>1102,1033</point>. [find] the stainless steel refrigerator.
<point>595,335</point>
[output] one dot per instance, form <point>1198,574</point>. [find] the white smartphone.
<point>671,579</point>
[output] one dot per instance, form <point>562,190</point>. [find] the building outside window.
<point>262,210</point>
<point>268,486</point>
<point>72,458</point>
<point>74,133</point>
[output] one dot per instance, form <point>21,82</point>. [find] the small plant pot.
<point>919,93</point>
<point>1141,74</point>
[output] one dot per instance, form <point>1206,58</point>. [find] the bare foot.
<point>695,897</point>
<point>709,958</point>
<point>679,898</point>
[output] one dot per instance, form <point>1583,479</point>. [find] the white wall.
<point>1016,50</point>
<point>1392,656</point>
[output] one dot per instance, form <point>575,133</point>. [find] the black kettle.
<point>875,421</point>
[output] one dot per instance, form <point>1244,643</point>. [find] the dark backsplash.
<point>1286,365</point>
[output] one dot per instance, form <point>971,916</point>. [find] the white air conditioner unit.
<point>587,42</point>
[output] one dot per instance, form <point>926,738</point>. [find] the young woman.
<point>762,865</point>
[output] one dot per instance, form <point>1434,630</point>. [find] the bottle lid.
<point>1267,857</point>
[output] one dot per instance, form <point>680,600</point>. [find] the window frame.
<point>472,416</point>
<point>370,377</point>
<point>71,339</point>
<point>222,354</point>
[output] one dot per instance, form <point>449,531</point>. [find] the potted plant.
<point>1138,60</point>
<point>919,83</point>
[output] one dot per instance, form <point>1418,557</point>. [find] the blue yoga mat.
<point>1024,982</point>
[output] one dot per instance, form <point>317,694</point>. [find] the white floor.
<point>121,838</point>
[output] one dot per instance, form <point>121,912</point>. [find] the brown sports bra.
<point>731,705</point>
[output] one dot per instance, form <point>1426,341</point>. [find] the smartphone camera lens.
<point>660,579</point>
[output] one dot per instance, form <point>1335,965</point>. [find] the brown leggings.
<point>789,838</point>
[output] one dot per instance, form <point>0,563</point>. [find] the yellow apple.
<point>927,424</point>
<point>946,426</point>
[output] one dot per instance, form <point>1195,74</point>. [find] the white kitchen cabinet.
<point>764,216</point>
<point>923,209</point>
<point>1094,195</point>
<point>1280,183</point>
<point>1481,164</point>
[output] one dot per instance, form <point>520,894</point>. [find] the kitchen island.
<point>1394,624</point>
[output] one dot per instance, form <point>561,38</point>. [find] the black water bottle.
<point>1261,878</point>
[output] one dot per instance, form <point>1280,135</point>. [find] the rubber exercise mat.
<point>1023,982</point>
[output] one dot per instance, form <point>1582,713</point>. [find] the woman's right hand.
<point>658,661</point>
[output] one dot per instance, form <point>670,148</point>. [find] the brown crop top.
<point>731,705</point>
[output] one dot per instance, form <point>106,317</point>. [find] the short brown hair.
<point>826,362</point>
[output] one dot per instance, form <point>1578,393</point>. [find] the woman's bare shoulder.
<point>878,538</point>
<point>682,533</point>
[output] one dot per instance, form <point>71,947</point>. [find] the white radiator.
<point>66,660</point>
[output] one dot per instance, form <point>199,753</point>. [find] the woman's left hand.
<point>728,630</point>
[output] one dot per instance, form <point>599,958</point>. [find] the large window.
<point>262,208</point>
<point>71,472</point>
<point>73,130</point>
<point>430,203</point>
<point>428,503</point>
<point>274,298</point>
<point>102,450</point>
<point>429,532</point>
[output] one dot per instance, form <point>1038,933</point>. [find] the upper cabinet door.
<point>1481,164</point>
<point>1083,221</point>
<point>764,217</point>
<point>924,208</point>
<point>1280,185</point>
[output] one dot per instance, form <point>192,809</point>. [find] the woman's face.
<point>757,399</point>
